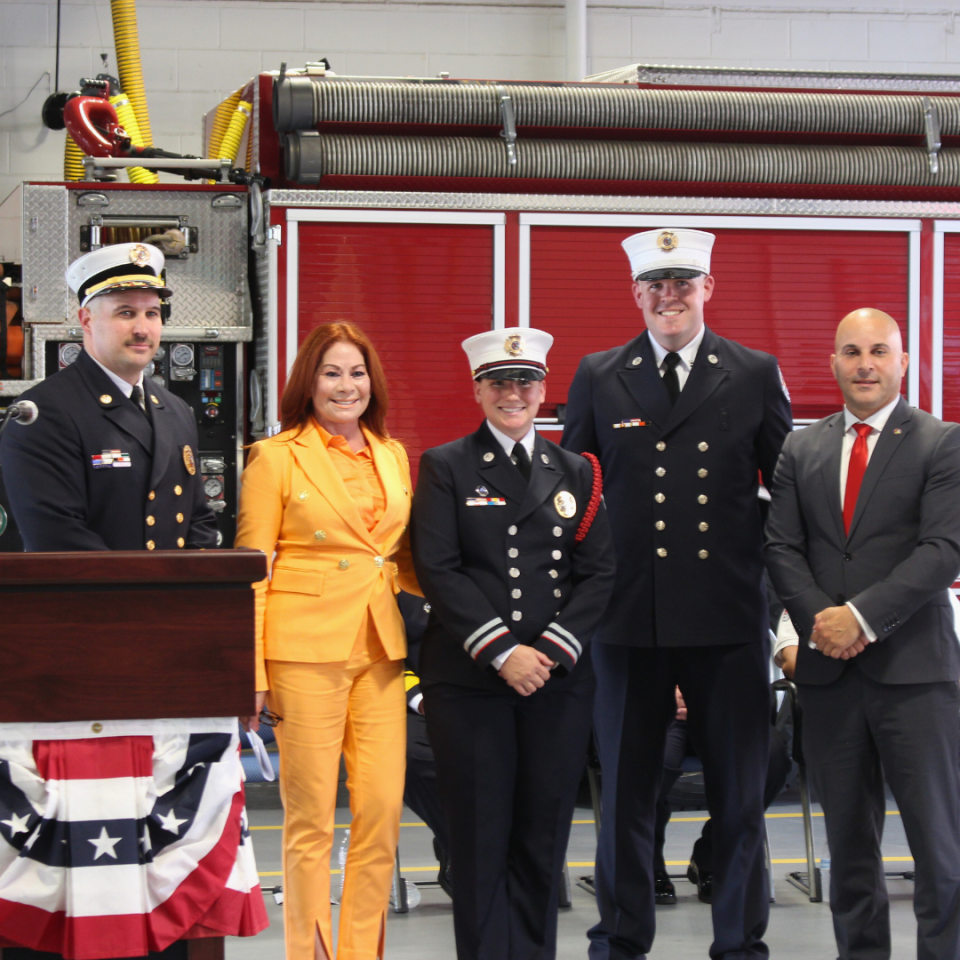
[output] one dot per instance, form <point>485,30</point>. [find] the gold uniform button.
<point>344,564</point>
<point>152,495</point>
<point>516,615</point>
<point>703,554</point>
<point>512,530</point>
<point>516,593</point>
<point>106,398</point>
<point>702,498</point>
<point>703,446</point>
<point>704,527</point>
<point>154,399</point>
<point>378,562</point>
<point>322,535</point>
<point>558,531</point>
<point>151,545</point>
<point>661,551</point>
<point>513,553</point>
<point>514,572</point>
<point>178,489</point>
<point>179,518</point>
<point>557,555</point>
<point>659,497</point>
<point>181,542</point>
<point>302,495</point>
<point>661,446</point>
<point>660,471</point>
<point>96,727</point>
<point>553,573</point>
<point>660,525</point>
<point>558,592</point>
<point>701,473</point>
<point>151,521</point>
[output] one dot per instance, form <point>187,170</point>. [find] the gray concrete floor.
<point>798,929</point>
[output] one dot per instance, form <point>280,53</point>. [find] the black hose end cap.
<point>52,111</point>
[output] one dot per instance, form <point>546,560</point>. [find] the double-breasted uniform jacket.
<point>681,485</point>
<point>497,559</point>
<point>899,559</point>
<point>328,570</point>
<point>92,473</point>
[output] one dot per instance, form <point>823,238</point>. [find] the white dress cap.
<point>121,266</point>
<point>514,353</point>
<point>669,254</point>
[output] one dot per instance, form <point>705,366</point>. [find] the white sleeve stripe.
<point>562,645</point>
<point>484,642</point>
<point>477,633</point>
<point>566,634</point>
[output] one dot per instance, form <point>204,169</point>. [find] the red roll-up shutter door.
<point>951,326</point>
<point>417,290</point>
<point>781,291</point>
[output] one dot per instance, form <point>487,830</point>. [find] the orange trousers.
<point>358,708</point>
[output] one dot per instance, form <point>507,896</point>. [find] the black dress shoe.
<point>664,893</point>
<point>443,877</point>
<point>703,880</point>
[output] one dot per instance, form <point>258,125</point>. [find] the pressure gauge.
<point>157,378</point>
<point>149,368</point>
<point>160,354</point>
<point>68,353</point>
<point>182,354</point>
<point>213,487</point>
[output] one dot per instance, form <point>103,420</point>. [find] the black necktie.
<point>670,379</point>
<point>521,459</point>
<point>137,397</point>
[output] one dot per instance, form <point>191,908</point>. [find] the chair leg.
<point>400,904</point>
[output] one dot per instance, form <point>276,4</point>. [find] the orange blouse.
<point>359,475</point>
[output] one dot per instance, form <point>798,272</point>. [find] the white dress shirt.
<point>508,444</point>
<point>877,421</point>
<point>687,355</point>
<point>125,388</point>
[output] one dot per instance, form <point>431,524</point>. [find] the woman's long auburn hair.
<point>296,405</point>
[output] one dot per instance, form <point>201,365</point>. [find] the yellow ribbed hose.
<point>221,123</point>
<point>72,160</point>
<point>127,44</point>
<point>128,120</point>
<point>238,123</point>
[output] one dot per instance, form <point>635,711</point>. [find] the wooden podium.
<point>119,635</point>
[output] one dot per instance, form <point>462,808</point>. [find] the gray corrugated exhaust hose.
<point>309,155</point>
<point>300,103</point>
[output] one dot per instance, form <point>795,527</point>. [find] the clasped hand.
<point>837,633</point>
<point>526,670</point>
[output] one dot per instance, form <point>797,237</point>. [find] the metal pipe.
<point>576,30</point>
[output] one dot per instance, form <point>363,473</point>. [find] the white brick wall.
<point>196,51</point>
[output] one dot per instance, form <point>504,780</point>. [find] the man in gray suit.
<point>863,543</point>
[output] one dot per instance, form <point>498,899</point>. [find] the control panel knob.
<point>212,411</point>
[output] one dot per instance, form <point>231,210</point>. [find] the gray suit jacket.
<point>900,558</point>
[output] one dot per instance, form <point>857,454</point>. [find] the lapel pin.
<point>544,458</point>
<point>154,399</point>
<point>106,398</point>
<point>713,358</point>
<point>897,431</point>
<point>637,361</point>
<point>488,457</point>
<point>482,491</point>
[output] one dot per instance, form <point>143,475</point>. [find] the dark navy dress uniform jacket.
<point>497,576</point>
<point>63,496</point>
<point>681,490</point>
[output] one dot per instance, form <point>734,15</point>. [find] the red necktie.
<point>855,472</point>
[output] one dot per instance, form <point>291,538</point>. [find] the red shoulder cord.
<point>595,496</point>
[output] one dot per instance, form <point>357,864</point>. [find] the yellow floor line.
<point>585,863</point>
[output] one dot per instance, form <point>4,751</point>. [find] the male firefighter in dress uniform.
<point>111,462</point>
<point>512,548</point>
<point>682,421</point>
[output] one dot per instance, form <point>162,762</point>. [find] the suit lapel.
<point>887,444</point>
<point>163,434</point>
<point>114,405</point>
<point>831,449</point>
<point>644,382</point>
<point>705,376</point>
<point>545,477</point>
<point>311,453</point>
<point>394,493</point>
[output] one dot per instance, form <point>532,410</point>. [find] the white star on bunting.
<point>105,844</point>
<point>170,823</point>
<point>16,824</point>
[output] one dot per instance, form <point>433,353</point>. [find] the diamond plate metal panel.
<point>45,257</point>
<point>742,206</point>
<point>210,286</point>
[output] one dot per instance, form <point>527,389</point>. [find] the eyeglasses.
<point>268,718</point>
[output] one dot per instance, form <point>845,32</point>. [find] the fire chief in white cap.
<point>683,421</point>
<point>512,549</point>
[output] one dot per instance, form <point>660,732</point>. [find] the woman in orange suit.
<point>328,499</point>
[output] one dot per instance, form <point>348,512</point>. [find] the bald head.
<point>868,362</point>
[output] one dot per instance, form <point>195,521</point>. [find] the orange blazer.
<point>327,570</point>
